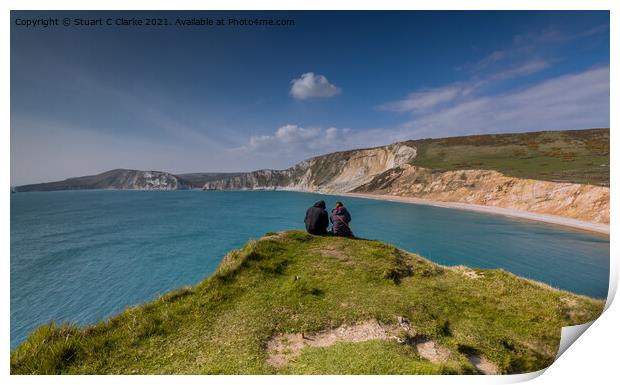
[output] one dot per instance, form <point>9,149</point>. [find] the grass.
<point>294,282</point>
<point>370,357</point>
<point>579,156</point>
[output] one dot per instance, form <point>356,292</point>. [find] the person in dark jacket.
<point>340,219</point>
<point>316,219</point>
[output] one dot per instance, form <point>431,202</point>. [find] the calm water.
<point>83,256</point>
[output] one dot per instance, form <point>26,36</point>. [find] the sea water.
<point>81,256</point>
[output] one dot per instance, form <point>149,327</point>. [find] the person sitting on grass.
<point>316,219</point>
<point>340,219</point>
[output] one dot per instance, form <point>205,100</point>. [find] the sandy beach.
<point>555,219</point>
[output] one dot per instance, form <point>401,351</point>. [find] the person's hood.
<point>338,210</point>
<point>320,204</point>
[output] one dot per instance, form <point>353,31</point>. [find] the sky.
<point>86,99</point>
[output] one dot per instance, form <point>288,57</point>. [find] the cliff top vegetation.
<point>301,304</point>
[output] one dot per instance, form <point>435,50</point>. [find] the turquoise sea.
<point>81,256</point>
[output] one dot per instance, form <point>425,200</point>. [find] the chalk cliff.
<point>119,179</point>
<point>335,172</point>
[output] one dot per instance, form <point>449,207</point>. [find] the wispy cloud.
<point>430,98</point>
<point>311,85</point>
<point>554,34</point>
<point>516,61</point>
<point>490,59</point>
<point>524,69</point>
<point>527,49</point>
<point>571,101</point>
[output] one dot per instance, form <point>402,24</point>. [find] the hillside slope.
<point>571,156</point>
<point>295,303</point>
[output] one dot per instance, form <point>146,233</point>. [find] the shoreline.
<point>600,228</point>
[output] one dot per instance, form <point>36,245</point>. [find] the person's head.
<point>339,204</point>
<point>320,204</point>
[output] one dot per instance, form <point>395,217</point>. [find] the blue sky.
<point>188,99</point>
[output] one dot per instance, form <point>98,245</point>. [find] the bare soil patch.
<point>430,350</point>
<point>278,235</point>
<point>483,365</point>
<point>467,272</point>
<point>334,253</point>
<point>281,348</point>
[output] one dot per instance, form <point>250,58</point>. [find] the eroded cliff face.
<point>388,170</point>
<point>491,188</point>
<point>336,172</point>
<point>149,180</point>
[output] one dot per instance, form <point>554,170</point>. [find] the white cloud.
<point>292,138</point>
<point>311,85</point>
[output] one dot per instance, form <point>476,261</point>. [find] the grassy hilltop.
<point>575,156</point>
<point>362,306</point>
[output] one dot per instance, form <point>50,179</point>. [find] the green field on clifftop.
<point>579,156</point>
<point>435,319</point>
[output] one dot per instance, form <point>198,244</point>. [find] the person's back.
<point>340,219</point>
<point>316,219</point>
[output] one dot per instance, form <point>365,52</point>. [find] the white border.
<point>592,359</point>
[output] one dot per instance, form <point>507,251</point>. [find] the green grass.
<point>370,357</point>
<point>295,282</point>
<point>580,156</point>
